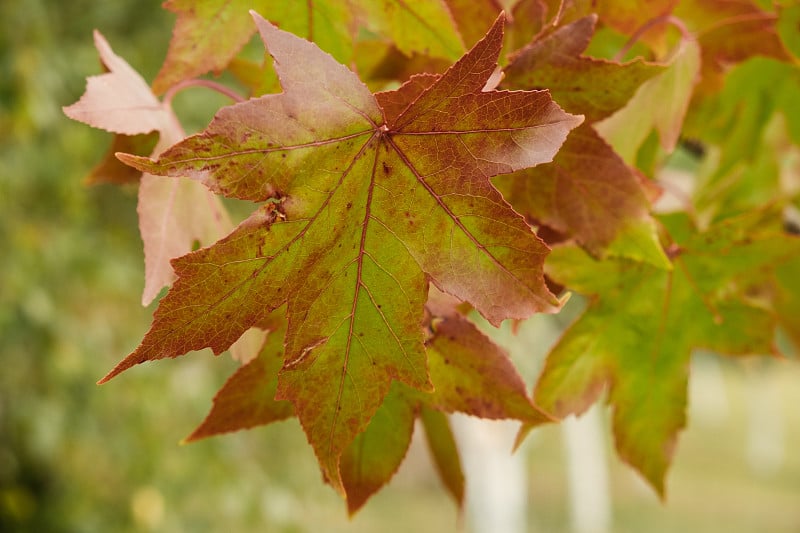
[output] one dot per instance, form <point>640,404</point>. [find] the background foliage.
<point>78,458</point>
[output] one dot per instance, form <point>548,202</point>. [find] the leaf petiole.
<point>199,82</point>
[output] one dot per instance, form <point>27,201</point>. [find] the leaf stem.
<point>647,26</point>
<point>199,82</point>
<point>738,19</point>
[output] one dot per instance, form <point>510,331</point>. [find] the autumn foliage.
<point>411,163</point>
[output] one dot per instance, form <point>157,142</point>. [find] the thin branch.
<point>198,82</point>
<point>647,26</point>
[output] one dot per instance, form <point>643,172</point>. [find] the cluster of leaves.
<point>434,182</point>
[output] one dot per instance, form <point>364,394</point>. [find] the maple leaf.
<point>729,32</point>
<point>528,18</point>
<point>741,120</point>
<point>472,17</point>
<point>248,397</point>
<point>444,452</point>
<point>209,33</point>
<point>470,375</point>
<point>424,27</point>
<point>593,87</point>
<point>590,194</point>
<point>660,102</point>
<point>587,191</point>
<point>170,223</point>
<point>637,334</point>
<point>364,205</point>
<point>628,16</point>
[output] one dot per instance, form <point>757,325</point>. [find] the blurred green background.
<point>75,457</point>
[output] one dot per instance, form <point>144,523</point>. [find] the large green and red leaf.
<point>361,211</point>
<point>637,334</point>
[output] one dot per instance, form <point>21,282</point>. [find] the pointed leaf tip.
<point>141,163</point>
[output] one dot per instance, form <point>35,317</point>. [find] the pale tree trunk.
<point>496,489</point>
<point>587,472</point>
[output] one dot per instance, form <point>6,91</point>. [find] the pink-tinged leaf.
<point>119,101</point>
<point>362,213</point>
<point>174,214</point>
<point>594,87</point>
<point>444,451</point>
<point>248,398</point>
<point>588,193</point>
<point>660,103</point>
<point>249,345</point>
<point>637,334</point>
<point>371,460</point>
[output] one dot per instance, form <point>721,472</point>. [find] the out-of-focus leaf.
<point>649,321</point>
<point>174,214</point>
<point>444,451</point>
<point>472,17</point>
<point>660,103</point>
<point>789,28</point>
<point>595,88</point>
<point>588,193</point>
<point>209,33</point>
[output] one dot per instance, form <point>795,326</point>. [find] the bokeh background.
<point>75,457</point>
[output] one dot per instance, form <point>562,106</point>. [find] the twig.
<point>198,82</point>
<point>650,24</point>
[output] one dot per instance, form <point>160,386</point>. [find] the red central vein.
<point>310,8</point>
<point>485,130</point>
<point>662,323</point>
<point>454,217</point>
<point>359,285</point>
